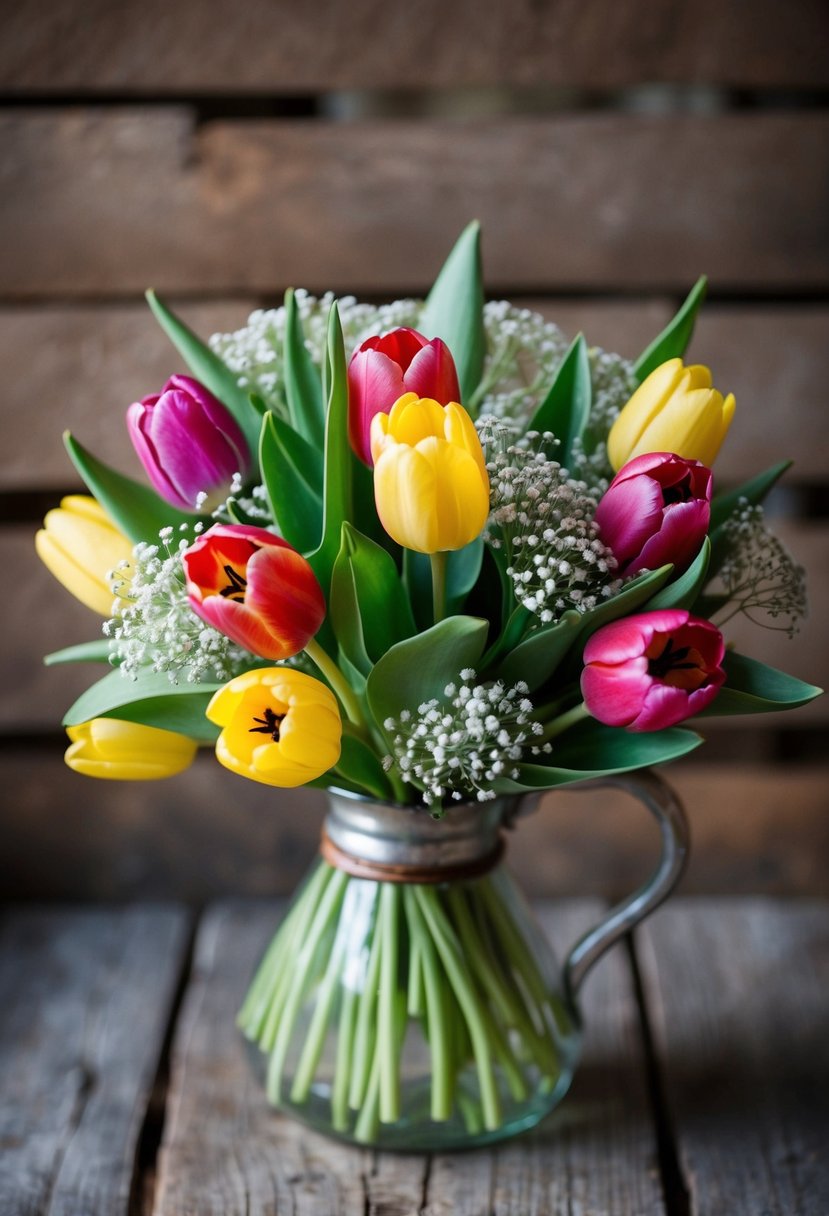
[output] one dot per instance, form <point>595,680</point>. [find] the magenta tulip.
<point>652,670</point>
<point>383,369</point>
<point>656,510</point>
<point>188,442</point>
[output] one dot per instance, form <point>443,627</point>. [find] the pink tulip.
<point>652,670</point>
<point>256,589</point>
<point>383,369</point>
<point>188,442</point>
<point>656,510</point>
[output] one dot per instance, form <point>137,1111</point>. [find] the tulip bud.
<point>81,546</point>
<point>383,369</point>
<point>674,410</point>
<point>127,751</point>
<point>188,442</point>
<point>656,510</point>
<point>255,588</point>
<point>652,670</point>
<point>280,726</point>
<point>430,480</point>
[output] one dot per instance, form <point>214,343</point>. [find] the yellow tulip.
<point>280,726</point>
<point>127,751</point>
<point>430,479</point>
<point>80,545</point>
<point>674,410</point>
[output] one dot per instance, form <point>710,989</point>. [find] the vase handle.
<point>663,803</point>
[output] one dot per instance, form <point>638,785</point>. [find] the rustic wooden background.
<point>612,152</point>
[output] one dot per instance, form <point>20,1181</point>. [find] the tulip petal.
<point>432,373</point>
<point>375,382</point>
<point>645,404</point>
<point>628,513</point>
<point>684,524</point>
<point>614,694</point>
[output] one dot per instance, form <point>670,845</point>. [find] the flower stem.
<point>438,563</point>
<point>434,981</point>
<point>564,722</point>
<point>387,1042</point>
<point>337,681</point>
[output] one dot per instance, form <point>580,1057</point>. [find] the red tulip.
<point>256,589</point>
<point>383,369</point>
<point>656,510</point>
<point>652,670</point>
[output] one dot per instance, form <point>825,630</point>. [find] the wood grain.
<point>739,996</point>
<point>278,48</point>
<point>87,997</point>
<point>114,200</point>
<point>225,1152</point>
<point>207,833</point>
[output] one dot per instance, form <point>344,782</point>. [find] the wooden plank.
<point>756,827</point>
<point>87,997</point>
<point>739,993</point>
<point>317,46</point>
<point>225,1152</point>
<point>114,200</point>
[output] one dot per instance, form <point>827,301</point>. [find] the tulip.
<point>81,546</point>
<point>255,588</point>
<point>188,443</point>
<point>383,369</point>
<point>656,510</point>
<point>127,751</point>
<point>430,480</point>
<point>674,410</point>
<point>279,726</point>
<point>652,670</point>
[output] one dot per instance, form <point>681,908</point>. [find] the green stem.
<point>438,563</point>
<point>337,681</point>
<point>564,722</point>
<point>389,1063</point>
<point>434,982</point>
<point>365,1018</point>
<point>345,1047</point>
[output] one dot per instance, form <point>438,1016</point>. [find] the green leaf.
<point>754,491</point>
<point>536,658</point>
<point>292,473</point>
<point>339,459</point>
<point>84,652</point>
<point>370,611</point>
<point>303,385</point>
<point>753,688</point>
<point>420,668</point>
<point>592,750</point>
<point>683,591</point>
<point>566,408</point>
<point>673,341</point>
<point>150,699</point>
<point>208,369</point>
<point>361,767</point>
<point>135,509</point>
<point>454,310</point>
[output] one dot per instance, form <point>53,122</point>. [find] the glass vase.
<point>409,1000</point>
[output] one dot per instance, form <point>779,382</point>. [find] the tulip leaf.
<point>590,750</point>
<point>361,767</point>
<point>753,491</point>
<point>85,652</point>
<point>752,687</point>
<point>370,611</point>
<point>566,408</point>
<point>292,473</point>
<point>454,311</point>
<point>303,385</point>
<point>137,510</point>
<point>208,369</point>
<point>150,699</point>
<point>536,658</point>
<point>418,669</point>
<point>683,591</point>
<point>339,459</point>
<point>675,337</point>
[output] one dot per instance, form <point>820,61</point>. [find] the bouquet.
<point>427,554</point>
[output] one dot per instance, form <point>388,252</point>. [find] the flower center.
<point>236,584</point>
<point>679,666</point>
<point>681,492</point>
<point>269,724</point>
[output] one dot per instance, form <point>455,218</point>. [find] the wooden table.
<point>125,1087</point>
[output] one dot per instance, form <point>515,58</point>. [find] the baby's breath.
<point>543,522</point>
<point>759,576</point>
<point>456,747</point>
<point>153,626</point>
